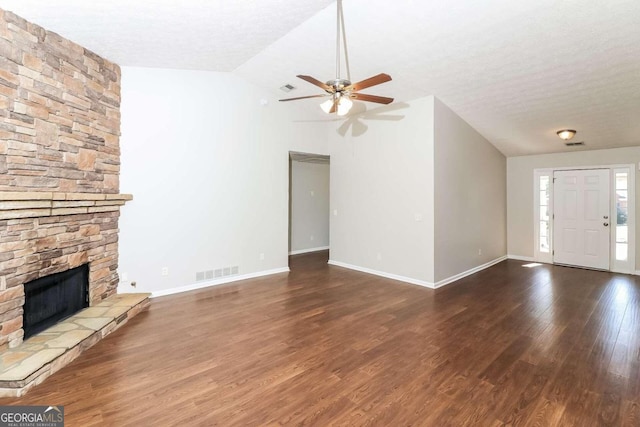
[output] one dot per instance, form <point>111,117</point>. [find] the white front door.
<point>582,219</point>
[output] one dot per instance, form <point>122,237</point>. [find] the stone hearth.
<point>47,352</point>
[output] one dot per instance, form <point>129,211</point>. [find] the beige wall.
<point>470,197</point>
<point>309,205</point>
<point>380,181</point>
<point>520,188</point>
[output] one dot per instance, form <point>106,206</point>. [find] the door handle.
<point>605,224</point>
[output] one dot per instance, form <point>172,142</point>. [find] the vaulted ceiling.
<point>517,71</point>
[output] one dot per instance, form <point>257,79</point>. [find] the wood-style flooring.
<point>324,345</point>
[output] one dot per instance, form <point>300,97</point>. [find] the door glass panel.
<point>621,251</point>
<point>622,234</point>
<point>544,236</point>
<point>621,181</point>
<point>544,183</point>
<point>544,213</point>
<point>544,228</point>
<point>544,198</point>
<point>622,207</point>
<point>544,243</point>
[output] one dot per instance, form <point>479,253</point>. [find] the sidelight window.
<point>544,230</point>
<point>543,218</point>
<point>622,216</point>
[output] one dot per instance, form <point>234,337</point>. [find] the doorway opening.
<point>309,177</point>
<point>585,217</point>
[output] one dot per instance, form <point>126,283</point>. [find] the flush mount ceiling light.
<point>342,91</point>
<point>566,134</point>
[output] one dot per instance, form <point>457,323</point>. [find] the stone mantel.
<point>35,204</point>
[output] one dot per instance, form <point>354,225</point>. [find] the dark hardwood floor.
<point>323,345</point>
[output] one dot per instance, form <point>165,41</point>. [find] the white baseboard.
<point>522,258</point>
<point>305,251</point>
<point>222,281</point>
<point>469,272</point>
<point>382,274</point>
<point>418,282</point>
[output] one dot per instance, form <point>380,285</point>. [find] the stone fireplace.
<point>70,229</point>
<point>59,165</point>
<point>59,172</point>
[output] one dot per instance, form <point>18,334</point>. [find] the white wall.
<point>208,167</point>
<point>380,180</point>
<point>309,206</point>
<point>470,197</point>
<point>520,189</point>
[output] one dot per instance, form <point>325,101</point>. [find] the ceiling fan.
<point>342,91</point>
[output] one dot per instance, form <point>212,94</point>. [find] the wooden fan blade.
<point>316,82</point>
<point>371,98</point>
<point>371,81</point>
<point>304,97</point>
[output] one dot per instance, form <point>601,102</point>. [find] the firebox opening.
<point>53,298</point>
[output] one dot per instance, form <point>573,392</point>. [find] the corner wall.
<point>470,197</point>
<point>420,199</point>
<point>382,192</point>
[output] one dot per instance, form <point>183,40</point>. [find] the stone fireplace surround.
<point>59,191</point>
<point>42,233</point>
<point>46,233</point>
<point>59,165</point>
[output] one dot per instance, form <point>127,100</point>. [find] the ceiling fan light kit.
<point>343,104</point>
<point>342,91</point>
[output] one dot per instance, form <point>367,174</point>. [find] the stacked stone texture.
<point>59,133</point>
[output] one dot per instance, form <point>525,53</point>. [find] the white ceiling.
<point>517,71</point>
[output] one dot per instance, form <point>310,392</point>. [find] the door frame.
<point>305,157</point>
<point>625,266</point>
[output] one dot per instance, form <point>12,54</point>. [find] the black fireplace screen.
<point>50,299</point>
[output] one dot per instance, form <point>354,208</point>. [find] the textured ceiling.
<point>216,35</point>
<point>517,71</point>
